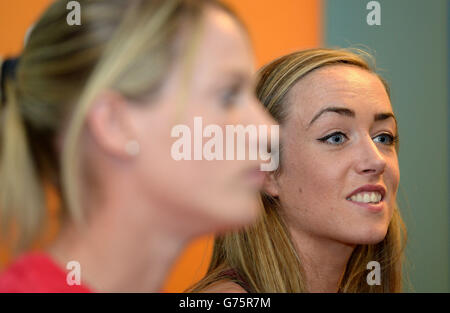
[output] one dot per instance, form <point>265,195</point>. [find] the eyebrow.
<point>383,116</point>
<point>338,110</point>
<point>351,113</point>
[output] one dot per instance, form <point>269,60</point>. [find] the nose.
<point>370,160</point>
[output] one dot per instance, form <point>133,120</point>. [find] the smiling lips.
<point>367,194</point>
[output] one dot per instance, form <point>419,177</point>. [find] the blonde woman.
<point>330,208</point>
<point>89,110</point>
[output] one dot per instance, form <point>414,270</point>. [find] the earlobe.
<point>270,185</point>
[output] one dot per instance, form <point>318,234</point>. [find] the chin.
<point>371,235</point>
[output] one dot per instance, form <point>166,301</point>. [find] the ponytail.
<point>21,193</point>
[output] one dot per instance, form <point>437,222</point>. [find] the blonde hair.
<point>125,45</point>
<point>264,255</point>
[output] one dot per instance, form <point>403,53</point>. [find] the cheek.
<point>310,182</point>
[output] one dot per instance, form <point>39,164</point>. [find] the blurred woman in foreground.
<point>89,111</point>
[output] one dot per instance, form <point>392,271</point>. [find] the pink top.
<point>37,272</point>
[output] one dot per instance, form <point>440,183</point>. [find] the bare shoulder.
<point>224,286</point>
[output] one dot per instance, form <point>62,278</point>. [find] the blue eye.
<point>385,139</point>
<point>336,138</point>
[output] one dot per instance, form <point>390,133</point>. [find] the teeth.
<point>366,197</point>
<point>373,197</point>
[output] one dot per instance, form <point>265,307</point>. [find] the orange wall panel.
<point>16,16</point>
<point>278,27</point>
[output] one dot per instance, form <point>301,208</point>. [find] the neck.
<point>324,260</point>
<point>119,251</point>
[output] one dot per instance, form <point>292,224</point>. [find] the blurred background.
<point>412,49</point>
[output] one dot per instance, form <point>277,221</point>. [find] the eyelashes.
<point>390,141</point>
<point>336,138</point>
<point>339,138</point>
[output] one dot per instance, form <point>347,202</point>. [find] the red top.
<point>37,272</point>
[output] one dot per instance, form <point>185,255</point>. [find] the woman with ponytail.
<point>329,211</point>
<point>89,110</point>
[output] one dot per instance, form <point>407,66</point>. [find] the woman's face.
<point>339,168</point>
<point>203,195</point>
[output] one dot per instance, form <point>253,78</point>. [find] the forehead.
<point>339,85</point>
<point>223,43</point>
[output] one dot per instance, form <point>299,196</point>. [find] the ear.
<point>109,122</point>
<point>270,185</point>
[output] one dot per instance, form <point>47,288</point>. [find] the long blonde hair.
<point>125,45</point>
<point>264,255</point>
